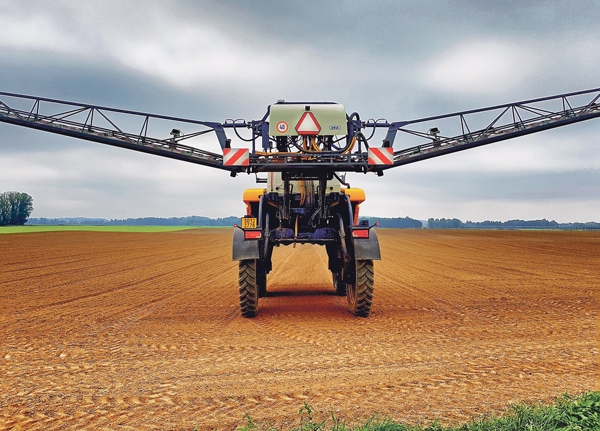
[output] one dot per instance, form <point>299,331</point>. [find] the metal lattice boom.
<point>461,131</point>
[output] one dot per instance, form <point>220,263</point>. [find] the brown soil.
<point>143,331</point>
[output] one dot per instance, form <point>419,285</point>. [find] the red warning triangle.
<point>308,125</point>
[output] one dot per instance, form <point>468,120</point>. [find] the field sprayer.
<point>303,148</point>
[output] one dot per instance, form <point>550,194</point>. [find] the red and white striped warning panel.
<point>236,157</point>
<point>308,125</point>
<point>381,156</point>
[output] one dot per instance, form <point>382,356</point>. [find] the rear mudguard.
<point>367,248</point>
<point>364,248</point>
<point>243,249</point>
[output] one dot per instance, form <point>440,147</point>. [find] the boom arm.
<point>461,131</point>
<point>99,124</point>
<point>503,122</point>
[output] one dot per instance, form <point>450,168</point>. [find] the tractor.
<point>301,206</point>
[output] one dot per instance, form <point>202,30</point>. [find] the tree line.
<point>454,223</point>
<point>396,222</point>
<point>443,223</point>
<point>15,208</point>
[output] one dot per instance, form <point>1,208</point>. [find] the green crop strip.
<point>51,228</point>
<point>567,413</point>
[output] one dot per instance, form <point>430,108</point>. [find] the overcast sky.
<point>213,60</point>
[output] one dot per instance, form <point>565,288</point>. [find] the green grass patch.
<point>567,413</point>
<point>52,228</point>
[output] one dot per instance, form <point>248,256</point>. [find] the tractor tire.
<point>360,293</point>
<point>248,288</point>
<point>338,284</point>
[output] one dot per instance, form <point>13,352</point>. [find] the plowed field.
<point>143,331</point>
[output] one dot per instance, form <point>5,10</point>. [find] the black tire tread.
<point>365,283</point>
<point>248,288</point>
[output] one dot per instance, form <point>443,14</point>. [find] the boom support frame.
<point>468,129</point>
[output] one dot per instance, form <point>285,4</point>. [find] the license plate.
<point>248,223</point>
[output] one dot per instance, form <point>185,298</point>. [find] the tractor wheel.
<point>338,283</point>
<point>360,293</point>
<point>248,288</point>
<point>261,279</point>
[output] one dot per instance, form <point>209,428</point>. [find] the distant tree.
<point>396,222</point>
<point>443,223</point>
<point>15,208</point>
